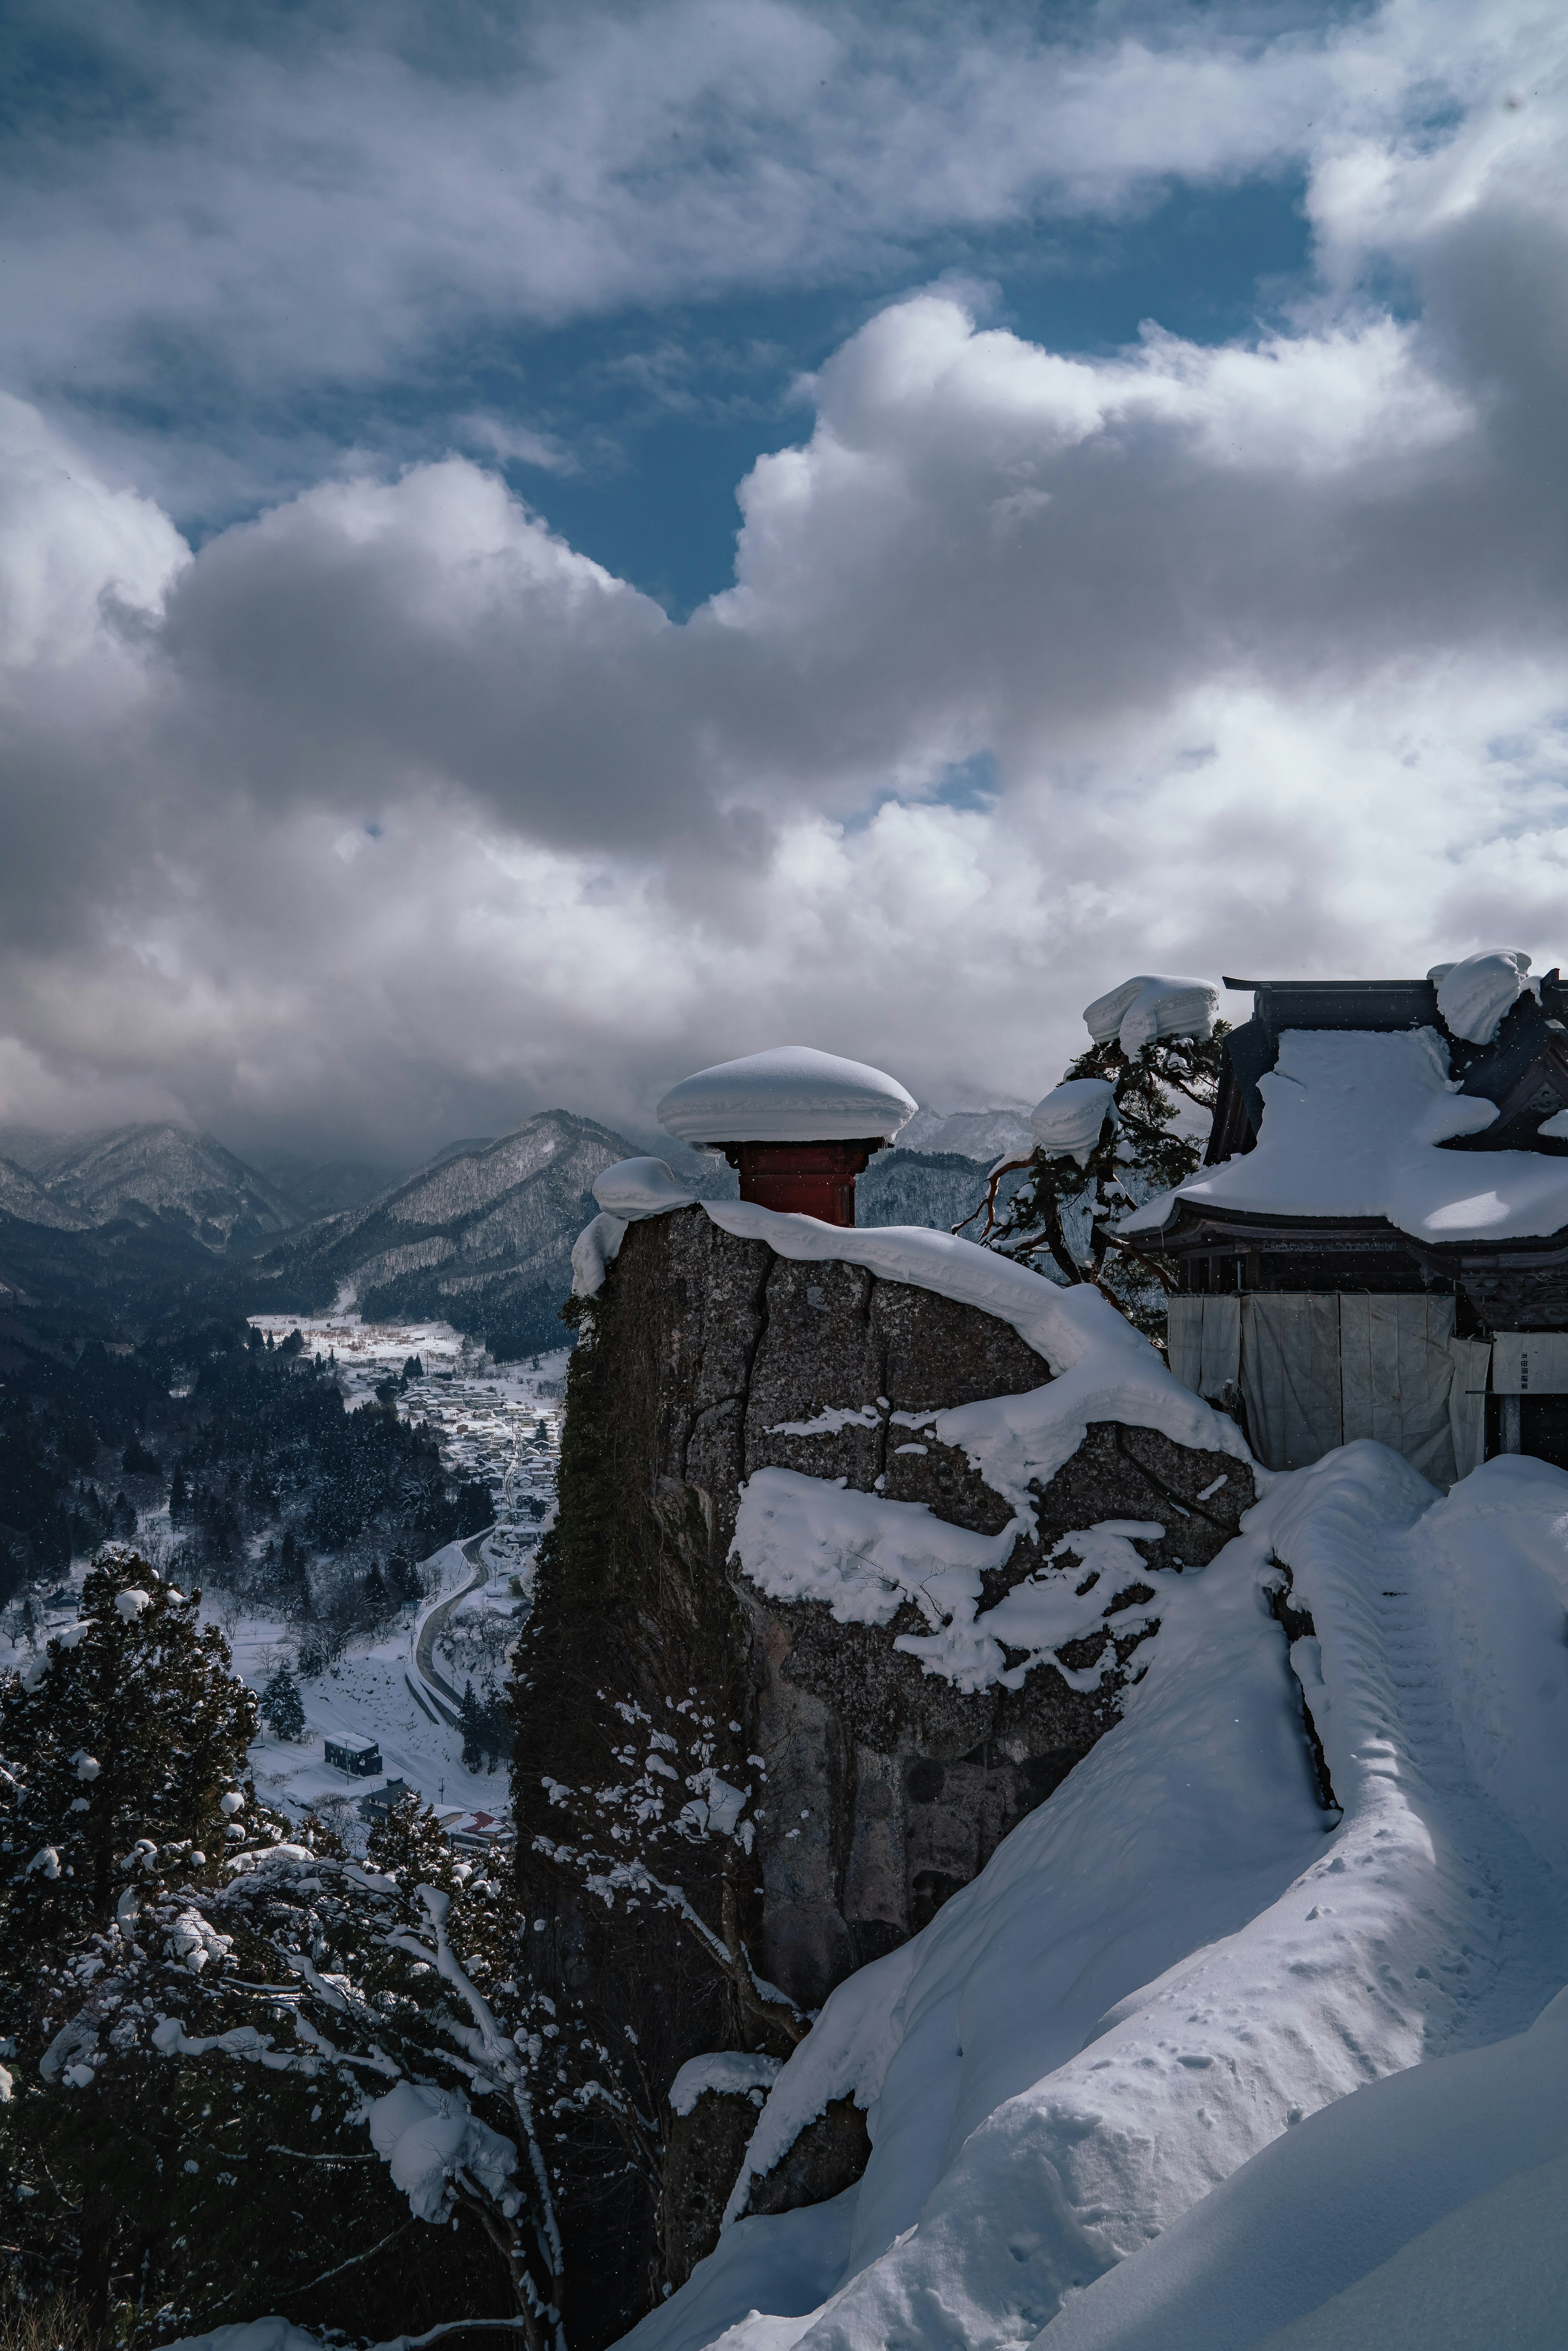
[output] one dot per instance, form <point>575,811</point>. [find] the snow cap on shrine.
<point>1474,994</point>
<point>1152,1006</point>
<point>791,1093</point>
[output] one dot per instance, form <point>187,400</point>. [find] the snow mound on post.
<point>635,1189</point>
<point>792,1093</point>
<point>1067,1124</point>
<point>1474,996</point>
<point>1152,1006</point>
<point>1171,1964</point>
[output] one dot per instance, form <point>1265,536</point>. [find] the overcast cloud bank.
<point>387,814</point>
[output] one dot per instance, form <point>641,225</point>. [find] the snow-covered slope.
<point>983,1135</point>
<point>159,1170</point>
<point>481,1236</point>
<point>22,1195</point>
<point>1180,1957</point>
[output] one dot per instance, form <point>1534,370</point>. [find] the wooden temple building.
<point>1377,1242</point>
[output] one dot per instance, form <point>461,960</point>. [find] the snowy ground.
<point>366,1696</point>
<point>1109,2085</point>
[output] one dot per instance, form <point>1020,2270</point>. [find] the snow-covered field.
<point>367,1696</point>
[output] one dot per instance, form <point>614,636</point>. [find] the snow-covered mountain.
<point>922,1187</point>
<point>22,1195</point>
<point>480,1236</point>
<point>156,1170</point>
<point>1000,1131</point>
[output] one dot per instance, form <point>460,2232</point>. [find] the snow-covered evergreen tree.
<point>1110,1141</point>
<point>282,1709</point>
<point>124,1742</point>
<point>389,1989</point>
<point>471,1723</point>
<point>205,2014</point>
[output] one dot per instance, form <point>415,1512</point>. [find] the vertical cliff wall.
<point>719,1786</point>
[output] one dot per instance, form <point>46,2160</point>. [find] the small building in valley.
<point>361,1759</point>
<point>377,1802</point>
<point>1377,1243</point>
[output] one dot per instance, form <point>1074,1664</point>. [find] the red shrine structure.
<point>797,1124</point>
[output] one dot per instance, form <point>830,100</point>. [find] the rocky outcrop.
<point>877,1789</point>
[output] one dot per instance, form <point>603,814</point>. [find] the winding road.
<point>434,1624</point>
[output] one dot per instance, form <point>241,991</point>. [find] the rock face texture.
<point>877,1790</point>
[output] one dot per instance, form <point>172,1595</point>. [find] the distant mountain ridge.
<point>184,1179</point>
<point>480,1236</point>
<point>140,1221</point>
<point>22,1195</point>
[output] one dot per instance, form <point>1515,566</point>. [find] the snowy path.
<point>1180,1961</point>
<point>1423,1700</point>
<point>435,1623</point>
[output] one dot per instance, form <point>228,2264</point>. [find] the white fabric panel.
<point>1529,1362</point>
<point>1396,1375</point>
<point>1204,1335</point>
<point>1291,1377</point>
<point>1468,1403</point>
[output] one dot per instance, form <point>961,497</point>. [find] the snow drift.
<point>1082,2070</point>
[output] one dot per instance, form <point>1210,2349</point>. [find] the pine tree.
<point>1067,1207</point>
<point>132,1732</point>
<point>402,1576</point>
<point>282,1709</point>
<point>471,1723</point>
<point>124,1518</point>
<point>179,1496</point>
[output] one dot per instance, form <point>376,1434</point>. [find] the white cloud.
<point>322,198</point>
<point>389,815</point>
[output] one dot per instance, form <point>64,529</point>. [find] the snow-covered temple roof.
<point>792,1093</point>
<point>1362,1100</point>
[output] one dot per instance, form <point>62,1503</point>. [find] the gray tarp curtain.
<point>1316,1370</point>
<point>1467,1402</point>
<point>1204,1341</point>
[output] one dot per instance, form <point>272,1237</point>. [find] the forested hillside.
<point>272,1488</point>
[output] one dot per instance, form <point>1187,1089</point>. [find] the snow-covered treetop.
<point>791,1093</point>
<point>1068,1122</point>
<point>1473,995</point>
<point>1152,1005</point>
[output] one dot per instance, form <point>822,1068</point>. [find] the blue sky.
<point>581,538</point>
